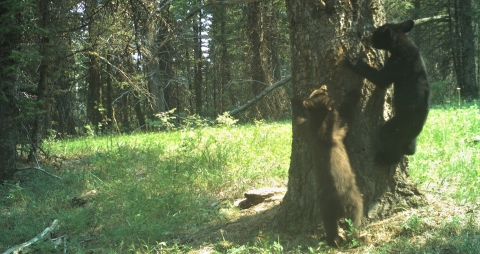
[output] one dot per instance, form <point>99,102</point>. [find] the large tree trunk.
<point>321,34</point>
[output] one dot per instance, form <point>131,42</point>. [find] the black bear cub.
<point>339,196</point>
<point>406,70</point>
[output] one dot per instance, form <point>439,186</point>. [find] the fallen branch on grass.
<point>41,169</point>
<point>40,236</point>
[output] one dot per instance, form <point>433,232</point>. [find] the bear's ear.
<point>406,26</point>
<point>387,31</point>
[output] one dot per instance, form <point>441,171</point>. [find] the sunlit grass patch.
<point>448,156</point>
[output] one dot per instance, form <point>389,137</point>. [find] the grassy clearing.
<point>154,189</point>
<point>150,186</point>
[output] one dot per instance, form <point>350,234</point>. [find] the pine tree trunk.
<point>109,91</point>
<point>464,15</point>
<point>160,71</point>
<point>39,124</point>
<point>321,35</point>
<point>263,60</point>
<point>8,89</point>
<point>197,56</point>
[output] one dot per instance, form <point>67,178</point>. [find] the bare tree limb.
<point>438,18</point>
<point>261,95</point>
<point>40,236</point>
<point>41,169</point>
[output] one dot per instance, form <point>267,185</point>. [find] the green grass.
<point>155,187</point>
<point>447,161</point>
<point>150,186</point>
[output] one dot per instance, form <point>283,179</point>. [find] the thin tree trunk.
<point>225,65</point>
<point>197,57</point>
<point>109,91</point>
<point>138,111</point>
<point>44,68</point>
<point>8,96</point>
<point>254,30</point>
<point>275,105</point>
<point>94,91</point>
<point>321,35</point>
<point>463,48</point>
<point>157,71</point>
<point>124,112</point>
<point>94,100</point>
<point>469,89</point>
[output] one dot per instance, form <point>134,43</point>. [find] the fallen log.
<point>255,197</point>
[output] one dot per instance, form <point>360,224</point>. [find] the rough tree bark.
<point>321,34</point>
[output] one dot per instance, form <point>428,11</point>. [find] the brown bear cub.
<point>339,196</point>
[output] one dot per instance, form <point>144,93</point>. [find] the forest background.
<point>77,68</point>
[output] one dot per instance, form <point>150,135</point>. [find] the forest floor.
<point>441,226</point>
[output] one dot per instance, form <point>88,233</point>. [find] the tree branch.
<point>41,169</point>
<point>17,248</point>
<point>438,18</point>
<point>261,95</point>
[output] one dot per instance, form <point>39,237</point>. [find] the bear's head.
<point>318,101</point>
<point>388,35</point>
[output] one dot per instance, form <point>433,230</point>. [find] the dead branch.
<point>261,95</point>
<point>41,169</point>
<point>438,18</point>
<point>40,236</point>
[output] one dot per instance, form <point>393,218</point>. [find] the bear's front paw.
<point>357,64</point>
<point>351,61</point>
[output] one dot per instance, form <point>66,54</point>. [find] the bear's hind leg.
<point>330,224</point>
<point>354,212</point>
